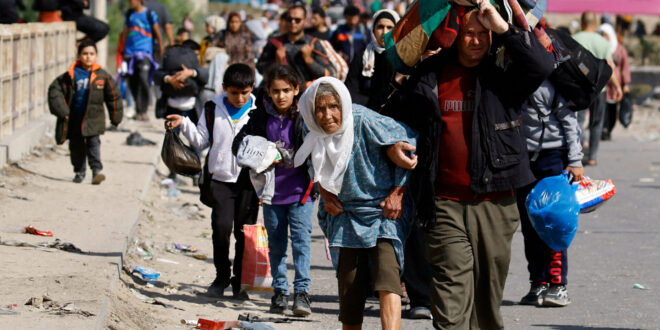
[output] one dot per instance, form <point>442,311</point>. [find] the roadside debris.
<point>136,139</point>
<point>215,325</point>
<point>640,286</point>
<point>27,230</point>
<point>56,244</point>
<point>148,274</point>
<point>47,304</point>
<point>153,301</point>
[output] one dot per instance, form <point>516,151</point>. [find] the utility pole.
<point>98,9</point>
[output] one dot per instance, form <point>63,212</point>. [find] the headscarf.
<point>609,30</point>
<point>369,56</point>
<point>216,22</point>
<point>330,153</point>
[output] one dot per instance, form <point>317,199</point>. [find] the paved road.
<point>615,248</point>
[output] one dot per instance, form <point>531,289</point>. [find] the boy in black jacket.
<point>76,98</point>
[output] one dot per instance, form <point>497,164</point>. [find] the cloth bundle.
<point>258,154</point>
<point>432,24</point>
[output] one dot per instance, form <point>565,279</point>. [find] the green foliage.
<point>28,14</point>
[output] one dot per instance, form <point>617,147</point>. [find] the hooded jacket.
<point>102,89</point>
<point>498,154</point>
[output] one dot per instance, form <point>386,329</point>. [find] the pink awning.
<point>643,7</point>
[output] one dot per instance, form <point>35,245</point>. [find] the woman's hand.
<point>332,204</point>
<point>173,121</point>
<point>578,173</point>
<point>392,205</point>
<point>397,154</point>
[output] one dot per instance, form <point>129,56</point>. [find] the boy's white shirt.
<point>222,162</point>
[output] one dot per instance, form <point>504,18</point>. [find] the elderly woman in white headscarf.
<point>370,73</point>
<point>364,209</point>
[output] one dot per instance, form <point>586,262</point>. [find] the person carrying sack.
<point>234,202</point>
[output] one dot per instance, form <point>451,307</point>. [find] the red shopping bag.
<point>255,274</point>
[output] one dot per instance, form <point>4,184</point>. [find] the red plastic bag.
<point>255,274</point>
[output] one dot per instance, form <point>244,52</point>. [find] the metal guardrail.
<point>31,56</point>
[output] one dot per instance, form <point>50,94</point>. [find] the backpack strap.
<point>209,113</point>
<point>149,19</point>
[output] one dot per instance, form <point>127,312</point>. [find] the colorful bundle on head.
<point>432,24</point>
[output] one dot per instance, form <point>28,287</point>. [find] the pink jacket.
<point>621,70</point>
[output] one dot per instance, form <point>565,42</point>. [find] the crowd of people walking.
<point>420,178</point>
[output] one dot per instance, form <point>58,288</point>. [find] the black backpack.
<point>580,76</point>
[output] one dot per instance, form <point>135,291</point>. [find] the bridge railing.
<point>31,56</point>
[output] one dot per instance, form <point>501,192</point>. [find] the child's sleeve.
<point>57,100</point>
<point>572,130</point>
<point>112,98</point>
<point>197,135</point>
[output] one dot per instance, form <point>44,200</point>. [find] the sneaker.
<point>535,295</point>
<point>301,304</point>
<point>78,178</point>
<point>419,313</point>
<point>98,178</point>
<point>556,296</point>
<point>216,289</point>
<point>278,303</point>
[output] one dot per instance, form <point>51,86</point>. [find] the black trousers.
<point>611,115</point>
<point>236,204</point>
<point>92,27</point>
<point>543,264</point>
<point>140,85</point>
<point>416,271</point>
<point>83,148</point>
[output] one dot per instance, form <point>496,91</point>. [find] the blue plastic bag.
<point>553,210</point>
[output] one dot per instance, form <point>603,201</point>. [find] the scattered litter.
<point>56,244</point>
<point>148,274</point>
<point>135,139</point>
<point>153,301</point>
<point>168,183</point>
<point>173,192</point>
<point>70,308</point>
<point>26,230</point>
<point>48,304</point>
<point>185,248</point>
<point>640,286</point>
<point>189,322</point>
<point>200,256</point>
<point>188,289</point>
<point>167,261</point>
<point>7,311</point>
<point>215,325</point>
<point>170,289</point>
<point>190,211</point>
<point>255,318</point>
<point>146,255</point>
<point>205,235</point>
<point>40,302</point>
<point>21,198</point>
<point>255,326</point>
<point>646,180</point>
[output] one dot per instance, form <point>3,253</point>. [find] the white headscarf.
<point>216,22</point>
<point>369,56</point>
<point>609,30</point>
<point>330,153</point>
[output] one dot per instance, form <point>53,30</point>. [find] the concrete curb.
<point>21,142</point>
<point>105,307</point>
